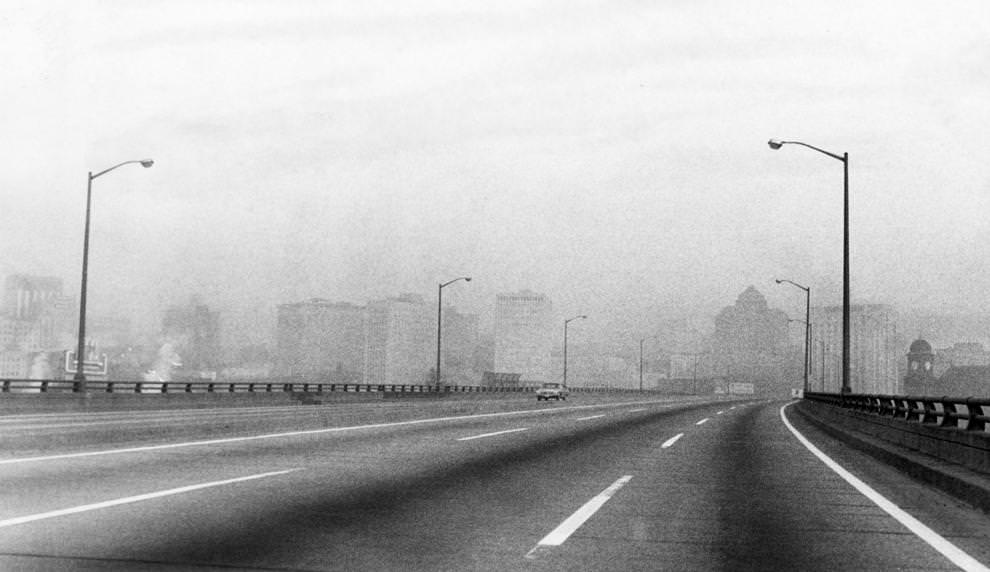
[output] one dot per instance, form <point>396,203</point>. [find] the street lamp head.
<point>467,278</point>
<point>582,316</point>
<point>147,163</point>
<point>775,144</point>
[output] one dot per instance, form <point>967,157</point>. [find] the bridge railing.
<point>966,413</point>
<point>266,386</point>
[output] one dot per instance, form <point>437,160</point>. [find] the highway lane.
<point>719,486</point>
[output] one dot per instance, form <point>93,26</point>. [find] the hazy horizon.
<point>611,155</point>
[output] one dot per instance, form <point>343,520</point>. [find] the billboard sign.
<point>742,388</point>
<point>91,366</point>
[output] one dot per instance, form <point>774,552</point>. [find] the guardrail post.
<point>948,414</point>
<point>907,407</point>
<point>976,421</point>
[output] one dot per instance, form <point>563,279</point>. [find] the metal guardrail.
<point>264,386</point>
<point>966,413</point>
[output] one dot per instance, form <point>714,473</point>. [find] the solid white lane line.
<point>935,540</point>
<point>573,522</point>
<point>134,499</point>
<point>227,440</point>
<point>702,422</point>
<point>635,410</point>
<point>669,442</point>
<point>592,417</point>
<point>493,434</point>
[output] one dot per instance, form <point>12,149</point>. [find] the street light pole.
<point>440,321</point>
<point>79,379</point>
<point>567,321</point>
<point>775,144</point>
<point>807,327</point>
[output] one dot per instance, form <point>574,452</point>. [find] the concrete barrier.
<point>951,459</point>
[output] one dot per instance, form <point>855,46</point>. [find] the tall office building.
<point>400,341</point>
<point>319,338</point>
<point>523,335</point>
<point>460,343</point>
<point>25,297</point>
<point>35,319</point>
<point>194,332</point>
<point>873,352</point>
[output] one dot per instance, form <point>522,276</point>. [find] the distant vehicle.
<point>551,390</point>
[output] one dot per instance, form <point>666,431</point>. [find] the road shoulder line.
<point>932,538</point>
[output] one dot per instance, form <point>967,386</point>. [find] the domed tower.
<point>920,379</point>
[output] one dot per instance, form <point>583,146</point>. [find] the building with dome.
<point>958,380</point>
<point>751,345</point>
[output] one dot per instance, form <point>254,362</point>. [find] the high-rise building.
<point>523,335</point>
<point>400,341</point>
<point>25,297</point>
<point>873,351</point>
<point>35,318</point>
<point>319,338</point>
<point>750,345</point>
<point>460,343</point>
<point>194,333</point>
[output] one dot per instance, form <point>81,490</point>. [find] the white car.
<point>551,390</point>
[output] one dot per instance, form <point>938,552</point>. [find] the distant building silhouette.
<point>400,340</point>
<point>319,339</point>
<point>874,352</point>
<point>36,319</point>
<point>523,335</point>
<point>460,341</point>
<point>194,332</point>
<point>968,379</point>
<point>750,344</point>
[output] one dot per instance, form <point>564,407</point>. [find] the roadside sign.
<point>91,366</point>
<point>742,388</point>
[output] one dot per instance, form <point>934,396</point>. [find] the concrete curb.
<point>962,483</point>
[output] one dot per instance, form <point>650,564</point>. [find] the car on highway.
<point>552,390</point>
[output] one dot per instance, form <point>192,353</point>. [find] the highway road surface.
<point>646,485</point>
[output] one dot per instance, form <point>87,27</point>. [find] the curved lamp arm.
<point>146,163</point>
<point>775,144</point>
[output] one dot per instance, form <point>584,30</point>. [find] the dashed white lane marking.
<point>560,534</point>
<point>592,417</point>
<point>731,408</point>
<point>636,410</point>
<point>669,442</point>
<point>493,434</point>
<point>702,422</point>
<point>935,540</point>
<point>226,440</point>
<point>720,412</point>
<point>134,499</point>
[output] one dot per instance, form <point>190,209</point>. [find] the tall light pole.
<point>79,378</point>
<point>440,320</point>
<point>807,327</point>
<point>568,321</point>
<point>775,144</point>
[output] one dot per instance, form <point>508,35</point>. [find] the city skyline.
<point>611,156</point>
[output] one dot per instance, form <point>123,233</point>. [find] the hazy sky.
<point>609,154</point>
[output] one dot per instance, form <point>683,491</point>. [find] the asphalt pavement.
<point>648,485</point>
